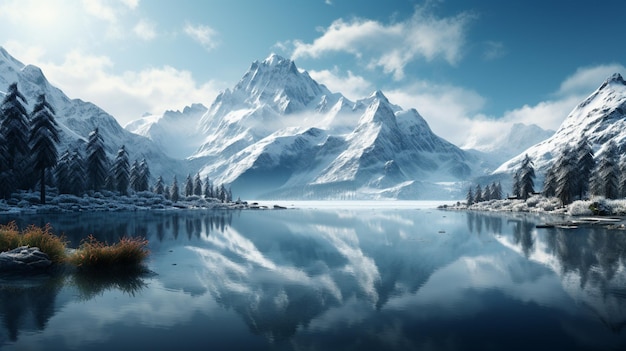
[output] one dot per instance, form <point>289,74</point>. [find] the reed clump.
<point>43,238</point>
<point>127,255</point>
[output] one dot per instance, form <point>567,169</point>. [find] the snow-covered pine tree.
<point>61,173</point>
<point>97,162</point>
<point>527,178</point>
<point>76,174</point>
<point>44,136</point>
<point>566,176</point>
<point>174,192</point>
<point>14,125</point>
<point>188,186</point>
<point>469,198</point>
<point>487,192</point>
<point>144,175</point>
<point>159,187</point>
<point>585,165</point>
<point>7,178</point>
<point>208,188</point>
<point>197,185</point>
<point>478,194</point>
<point>121,171</point>
<point>606,177</point>
<point>550,181</point>
<point>133,176</point>
<point>622,177</point>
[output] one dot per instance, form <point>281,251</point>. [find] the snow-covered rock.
<point>24,259</point>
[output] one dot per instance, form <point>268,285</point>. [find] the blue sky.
<point>471,68</point>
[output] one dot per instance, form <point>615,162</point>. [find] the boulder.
<point>24,259</point>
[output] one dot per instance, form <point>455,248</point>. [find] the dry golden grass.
<point>43,238</point>
<point>128,253</point>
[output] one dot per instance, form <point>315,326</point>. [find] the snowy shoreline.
<point>105,201</point>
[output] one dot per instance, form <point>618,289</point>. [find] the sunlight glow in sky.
<point>471,68</point>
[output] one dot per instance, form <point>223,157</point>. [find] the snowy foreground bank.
<point>28,202</point>
<point>541,204</point>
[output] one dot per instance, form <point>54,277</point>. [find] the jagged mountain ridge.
<point>77,118</point>
<point>600,118</point>
<point>279,133</point>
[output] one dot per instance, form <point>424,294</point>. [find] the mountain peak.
<point>275,60</point>
<point>379,95</point>
<point>614,78</point>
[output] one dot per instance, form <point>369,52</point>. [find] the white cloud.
<point>587,79</point>
<point>129,95</point>
<point>145,30</point>
<point>203,34</point>
<point>449,110</point>
<point>351,86</point>
<point>392,46</point>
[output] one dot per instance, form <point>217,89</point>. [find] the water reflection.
<point>366,279</point>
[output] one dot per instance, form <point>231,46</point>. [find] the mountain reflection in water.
<point>331,279</point>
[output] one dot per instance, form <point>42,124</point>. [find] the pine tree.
<point>7,178</point>
<point>174,192</point>
<point>97,162</point>
<point>159,187</point>
<point>44,136</point>
<point>188,186</point>
<point>144,176</point>
<point>134,176</point>
<point>550,182</point>
<point>61,173</point>
<point>526,178</point>
<point>478,194</point>
<point>120,171</point>
<point>585,165</point>
<point>487,193</point>
<point>566,177</point>
<point>606,179</point>
<point>197,185</point>
<point>14,126</point>
<point>76,174</point>
<point>208,188</point>
<point>622,178</point>
<point>470,196</point>
<point>496,191</point>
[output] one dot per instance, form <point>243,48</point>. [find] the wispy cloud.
<point>145,30</point>
<point>130,94</point>
<point>493,50</point>
<point>351,86</point>
<point>203,34</point>
<point>392,46</point>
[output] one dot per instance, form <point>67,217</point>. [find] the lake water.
<point>346,276</point>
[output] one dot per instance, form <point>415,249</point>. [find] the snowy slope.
<point>278,133</point>
<point>175,132</point>
<point>599,118</point>
<point>77,118</point>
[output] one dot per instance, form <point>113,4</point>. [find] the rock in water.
<point>24,259</point>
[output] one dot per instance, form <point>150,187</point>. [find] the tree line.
<point>29,158</point>
<point>575,175</point>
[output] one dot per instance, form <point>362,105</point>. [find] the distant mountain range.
<point>279,134</point>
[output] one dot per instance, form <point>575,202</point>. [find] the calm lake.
<point>353,276</point>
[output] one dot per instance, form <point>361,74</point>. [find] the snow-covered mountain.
<point>508,145</point>
<point>77,118</point>
<point>278,133</point>
<point>600,118</point>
